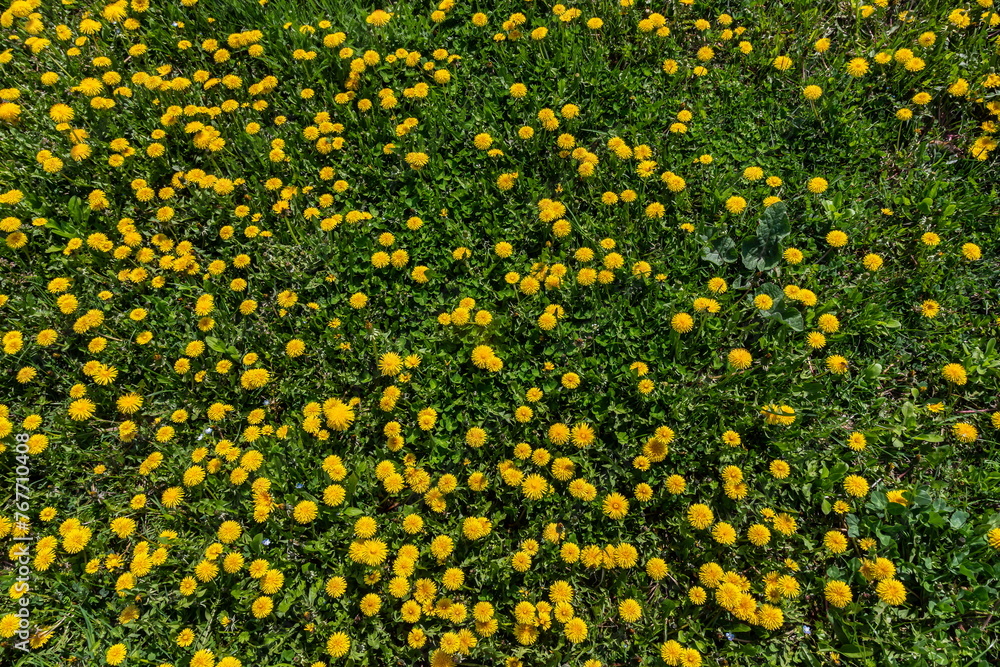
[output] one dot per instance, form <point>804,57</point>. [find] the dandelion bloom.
<point>838,593</point>
<point>732,438</point>
<point>682,323</point>
<point>837,364</point>
<point>534,487</point>
<point>828,323</point>
<point>338,644</point>
<point>672,652</point>
<point>965,432</point>
<point>891,591</point>
<point>857,67</point>
<point>615,506</point>
<point>778,414</point>
<point>521,561</point>
<point>482,355</point>
<point>305,511</point>
<point>417,160</point>
<point>817,185</point>
<point>630,610</point>
<point>262,607</point>
<point>370,604</point>
<point>836,238</point>
<point>81,409</point>
<point>897,496</point>
<point>724,533</point>
<point>971,252</point>
<point>856,486</point>
<point>115,655</point>
<point>872,262</point>
<point>780,469</point>
<point>675,484</point>
<point>835,542</point>
<point>378,18</point>
<point>339,415</point>
<point>575,630</point>
<point>955,374</point>
<point>781,63</point>
<point>930,308</point>
<point>792,255</point>
<point>758,535</point>
<point>390,363</point>
<point>736,205</point>
<point>770,617</point>
<point>740,358</point>
<point>993,538</point>
<point>700,516</point>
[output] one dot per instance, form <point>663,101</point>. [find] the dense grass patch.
<point>524,334</point>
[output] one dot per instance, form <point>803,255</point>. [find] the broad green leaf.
<point>722,251</point>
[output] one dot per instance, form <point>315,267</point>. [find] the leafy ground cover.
<point>520,334</point>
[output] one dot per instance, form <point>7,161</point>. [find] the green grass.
<point>889,183</point>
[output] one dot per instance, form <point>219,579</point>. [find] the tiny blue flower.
<point>806,629</point>
<point>266,542</point>
<point>299,485</point>
<point>730,636</point>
